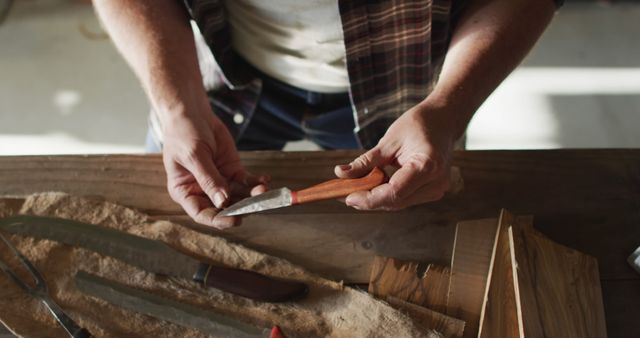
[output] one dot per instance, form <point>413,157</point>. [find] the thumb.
<point>362,165</point>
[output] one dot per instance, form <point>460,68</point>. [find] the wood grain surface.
<point>558,288</point>
<point>500,315</point>
<point>472,254</point>
<point>588,200</point>
<point>422,284</point>
<point>539,288</point>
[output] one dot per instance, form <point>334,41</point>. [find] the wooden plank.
<point>448,326</point>
<point>422,284</point>
<point>558,288</point>
<point>499,316</point>
<point>472,253</point>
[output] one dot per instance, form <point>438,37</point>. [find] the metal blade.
<point>164,308</point>
<point>271,199</point>
<point>149,255</point>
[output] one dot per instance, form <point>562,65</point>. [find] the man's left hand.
<point>419,144</point>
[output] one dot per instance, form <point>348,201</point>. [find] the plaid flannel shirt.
<point>394,50</point>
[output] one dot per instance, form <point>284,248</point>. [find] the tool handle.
<point>250,284</point>
<point>339,187</point>
<point>82,333</point>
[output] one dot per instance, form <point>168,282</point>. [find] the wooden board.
<point>472,253</point>
<point>426,285</point>
<point>586,199</point>
<point>499,316</point>
<point>558,288</point>
<point>448,326</point>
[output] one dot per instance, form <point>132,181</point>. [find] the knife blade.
<point>155,256</point>
<point>284,197</point>
<point>179,313</point>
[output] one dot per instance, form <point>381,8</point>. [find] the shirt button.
<point>238,118</point>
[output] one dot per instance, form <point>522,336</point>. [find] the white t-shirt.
<point>299,42</point>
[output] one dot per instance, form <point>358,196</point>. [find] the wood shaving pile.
<point>330,310</point>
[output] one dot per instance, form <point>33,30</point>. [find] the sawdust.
<point>330,310</point>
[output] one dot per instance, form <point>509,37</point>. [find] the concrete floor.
<point>579,87</point>
<point>64,88</point>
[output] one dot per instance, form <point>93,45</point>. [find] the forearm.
<point>491,39</point>
<point>156,39</point>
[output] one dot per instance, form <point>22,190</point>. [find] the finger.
<point>199,208</point>
<point>258,189</point>
<point>225,222</point>
<point>209,179</point>
<point>416,173</point>
<point>390,195</point>
<point>240,191</point>
<point>362,165</point>
<point>431,192</point>
<point>377,198</point>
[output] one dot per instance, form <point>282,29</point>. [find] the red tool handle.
<point>339,187</point>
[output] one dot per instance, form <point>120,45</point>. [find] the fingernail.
<point>219,199</point>
<point>345,167</point>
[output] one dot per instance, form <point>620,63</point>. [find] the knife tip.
<point>224,213</point>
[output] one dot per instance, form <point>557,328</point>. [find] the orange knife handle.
<point>339,187</point>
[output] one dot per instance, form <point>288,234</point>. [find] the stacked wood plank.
<point>505,280</point>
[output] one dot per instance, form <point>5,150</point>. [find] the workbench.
<point>588,200</point>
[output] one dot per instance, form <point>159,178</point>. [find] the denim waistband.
<point>310,97</point>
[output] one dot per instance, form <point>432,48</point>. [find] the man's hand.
<point>203,169</point>
<point>419,143</point>
<point>204,172</point>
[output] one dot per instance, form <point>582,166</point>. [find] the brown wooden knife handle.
<point>250,284</point>
<point>339,187</point>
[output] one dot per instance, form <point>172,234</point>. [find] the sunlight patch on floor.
<point>59,143</point>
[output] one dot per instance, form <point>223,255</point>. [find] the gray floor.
<point>64,88</point>
<point>579,87</point>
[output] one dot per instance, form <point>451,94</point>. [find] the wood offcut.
<point>470,266</point>
<point>425,285</point>
<point>539,288</point>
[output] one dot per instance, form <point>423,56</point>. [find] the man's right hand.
<point>204,172</point>
<point>203,169</point>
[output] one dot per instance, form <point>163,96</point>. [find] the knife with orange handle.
<point>284,197</point>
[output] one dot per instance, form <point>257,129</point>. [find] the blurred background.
<point>65,90</point>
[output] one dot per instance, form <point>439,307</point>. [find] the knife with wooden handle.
<point>285,197</point>
<point>156,257</point>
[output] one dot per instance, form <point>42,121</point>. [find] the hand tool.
<point>155,256</point>
<point>179,313</point>
<point>276,332</point>
<point>284,197</point>
<point>40,291</point>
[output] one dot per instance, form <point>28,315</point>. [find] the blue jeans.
<point>285,113</point>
